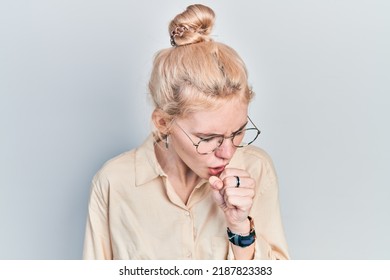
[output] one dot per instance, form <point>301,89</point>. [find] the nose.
<point>226,150</point>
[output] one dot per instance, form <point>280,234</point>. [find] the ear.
<point>161,121</point>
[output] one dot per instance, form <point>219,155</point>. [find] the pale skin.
<point>185,167</point>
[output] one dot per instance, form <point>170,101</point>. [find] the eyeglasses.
<point>241,138</point>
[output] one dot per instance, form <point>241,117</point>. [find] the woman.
<point>195,189</point>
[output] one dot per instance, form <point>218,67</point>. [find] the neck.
<point>182,178</point>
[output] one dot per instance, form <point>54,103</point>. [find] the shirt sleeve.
<point>270,241</point>
<point>97,244</point>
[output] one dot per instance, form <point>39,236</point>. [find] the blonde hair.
<point>197,73</point>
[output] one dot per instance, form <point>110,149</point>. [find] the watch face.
<point>243,241</point>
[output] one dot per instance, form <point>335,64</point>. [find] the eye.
<point>207,139</point>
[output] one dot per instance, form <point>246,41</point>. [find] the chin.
<point>204,174</point>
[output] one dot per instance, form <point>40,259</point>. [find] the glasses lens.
<point>209,145</point>
<point>241,139</point>
<point>245,137</point>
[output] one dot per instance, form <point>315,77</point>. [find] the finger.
<point>231,172</point>
<point>240,192</point>
<point>242,203</point>
<point>218,198</point>
<point>216,183</point>
<point>232,182</point>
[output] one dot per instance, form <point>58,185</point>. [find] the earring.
<point>166,142</point>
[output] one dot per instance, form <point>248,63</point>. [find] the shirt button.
<point>187,213</point>
<point>189,255</point>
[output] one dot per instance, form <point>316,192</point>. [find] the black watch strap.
<point>243,240</point>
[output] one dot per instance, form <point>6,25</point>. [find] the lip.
<point>214,171</point>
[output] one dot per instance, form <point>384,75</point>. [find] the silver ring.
<point>238,181</point>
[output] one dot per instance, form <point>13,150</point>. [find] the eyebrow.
<point>211,135</point>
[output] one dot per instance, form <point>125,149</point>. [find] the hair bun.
<point>192,26</point>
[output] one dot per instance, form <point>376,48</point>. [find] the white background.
<point>73,93</point>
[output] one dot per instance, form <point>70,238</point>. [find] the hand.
<point>236,202</point>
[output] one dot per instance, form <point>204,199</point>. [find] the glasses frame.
<point>223,137</point>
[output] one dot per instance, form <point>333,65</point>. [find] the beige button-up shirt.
<point>134,212</point>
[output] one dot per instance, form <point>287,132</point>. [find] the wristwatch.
<point>243,240</point>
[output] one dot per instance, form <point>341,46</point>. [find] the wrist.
<point>241,228</point>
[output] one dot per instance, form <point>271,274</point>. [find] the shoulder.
<point>258,163</point>
<point>121,170</point>
<point>252,154</point>
<point>119,163</point>
<point>114,170</point>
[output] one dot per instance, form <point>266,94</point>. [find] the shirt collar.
<point>147,167</point>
